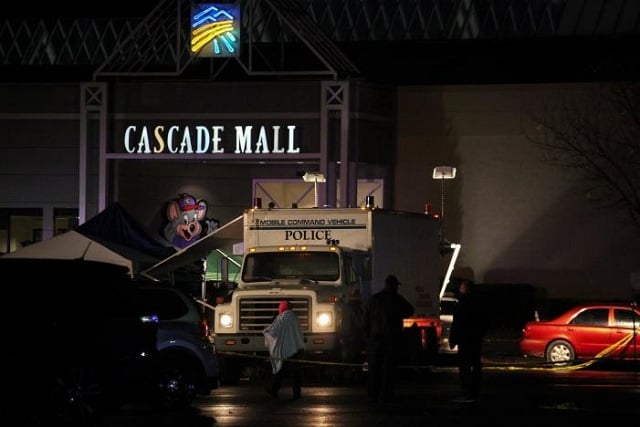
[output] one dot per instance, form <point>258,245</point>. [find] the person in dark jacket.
<point>383,330</point>
<point>467,332</point>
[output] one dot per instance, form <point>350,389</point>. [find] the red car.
<point>585,332</point>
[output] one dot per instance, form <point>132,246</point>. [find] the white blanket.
<point>283,338</point>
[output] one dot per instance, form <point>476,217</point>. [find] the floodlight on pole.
<point>314,177</point>
<point>442,173</point>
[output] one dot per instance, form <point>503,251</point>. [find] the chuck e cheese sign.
<point>187,221</point>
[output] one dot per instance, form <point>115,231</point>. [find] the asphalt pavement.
<point>510,397</point>
<point>516,392</point>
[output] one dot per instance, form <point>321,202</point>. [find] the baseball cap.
<point>284,305</point>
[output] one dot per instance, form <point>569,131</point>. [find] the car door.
<point>626,325</point>
<point>590,332</point>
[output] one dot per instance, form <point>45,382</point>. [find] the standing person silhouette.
<point>383,330</point>
<point>467,332</point>
<point>285,341</point>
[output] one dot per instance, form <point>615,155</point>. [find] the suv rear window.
<point>163,303</point>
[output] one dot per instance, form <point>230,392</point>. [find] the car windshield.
<point>261,267</point>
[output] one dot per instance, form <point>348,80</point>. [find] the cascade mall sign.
<point>201,139</point>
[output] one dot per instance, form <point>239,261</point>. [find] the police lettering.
<point>307,235</point>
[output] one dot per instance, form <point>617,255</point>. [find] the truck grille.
<point>256,313</point>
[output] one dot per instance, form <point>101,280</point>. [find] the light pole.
<point>442,173</point>
<point>314,177</point>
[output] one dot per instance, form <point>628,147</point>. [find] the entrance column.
<point>334,140</point>
<point>93,98</point>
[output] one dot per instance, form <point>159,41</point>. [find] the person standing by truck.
<point>285,341</point>
<point>383,326</point>
<point>467,332</point>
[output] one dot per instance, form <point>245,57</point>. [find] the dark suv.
<point>187,360</point>
<point>74,340</point>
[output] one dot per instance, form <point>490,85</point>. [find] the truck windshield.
<point>260,267</point>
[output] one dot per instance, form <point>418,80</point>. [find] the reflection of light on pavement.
<point>225,414</point>
<point>323,409</point>
<point>324,415</point>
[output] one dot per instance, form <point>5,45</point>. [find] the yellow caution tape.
<point>507,367</point>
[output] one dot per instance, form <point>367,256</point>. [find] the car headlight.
<point>324,319</point>
<point>225,320</point>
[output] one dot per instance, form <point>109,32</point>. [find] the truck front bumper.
<point>313,343</point>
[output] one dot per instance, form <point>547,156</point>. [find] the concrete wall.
<point>39,145</point>
<point>519,219</point>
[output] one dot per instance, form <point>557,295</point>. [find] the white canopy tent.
<point>74,245</point>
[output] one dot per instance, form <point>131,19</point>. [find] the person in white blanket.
<point>285,342</point>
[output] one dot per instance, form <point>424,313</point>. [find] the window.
<point>19,228</point>
<point>291,265</point>
<point>592,317</point>
<point>165,303</point>
<point>626,319</point>
<point>65,219</point>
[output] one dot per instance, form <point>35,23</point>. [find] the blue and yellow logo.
<point>215,30</point>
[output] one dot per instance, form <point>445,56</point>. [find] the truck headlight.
<point>324,319</point>
<point>225,320</point>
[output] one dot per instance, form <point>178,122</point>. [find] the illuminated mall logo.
<point>215,30</point>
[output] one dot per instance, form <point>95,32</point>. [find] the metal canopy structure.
<point>223,237</point>
<point>277,38</point>
<point>339,39</point>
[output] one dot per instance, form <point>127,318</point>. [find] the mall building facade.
<point>70,148</point>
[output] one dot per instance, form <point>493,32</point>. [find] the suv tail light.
<point>204,327</point>
<point>150,318</point>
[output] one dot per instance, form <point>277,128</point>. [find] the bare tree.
<point>597,133</point>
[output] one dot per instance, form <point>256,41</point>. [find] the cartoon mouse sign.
<point>187,221</point>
